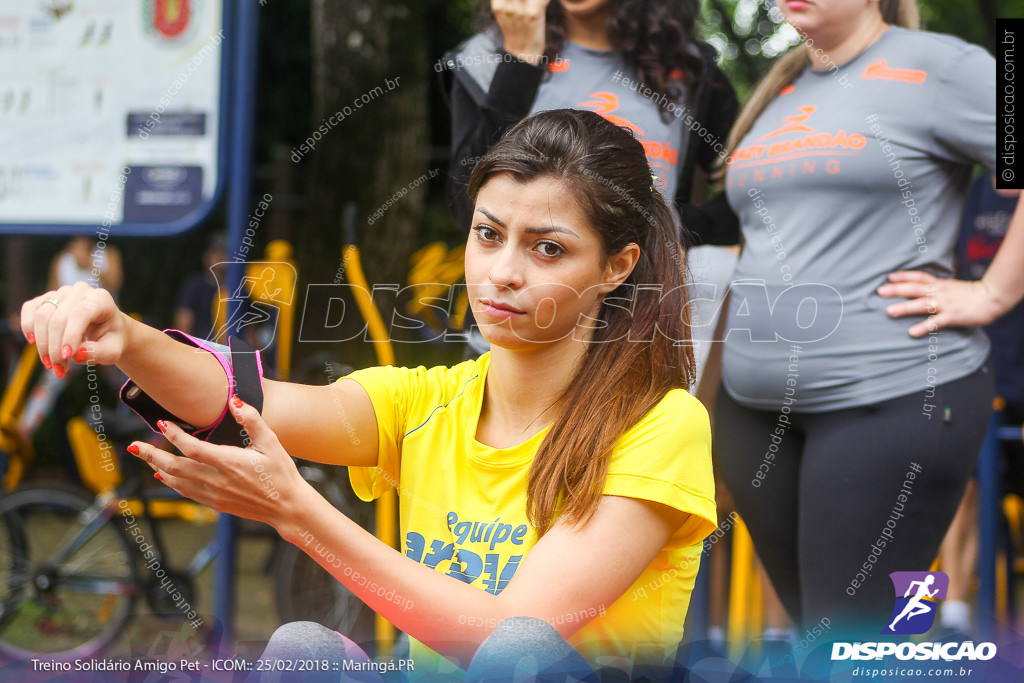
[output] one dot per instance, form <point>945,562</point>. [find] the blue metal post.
<point>988,519</point>
<point>243,98</point>
<point>698,615</point>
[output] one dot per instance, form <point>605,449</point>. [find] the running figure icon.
<point>916,600</point>
<point>916,605</point>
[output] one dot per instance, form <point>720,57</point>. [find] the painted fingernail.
<point>31,338</point>
<point>46,362</point>
<point>236,402</point>
<point>66,351</point>
<point>81,355</point>
<point>133,449</point>
<point>156,475</point>
<point>161,425</point>
<point>59,371</point>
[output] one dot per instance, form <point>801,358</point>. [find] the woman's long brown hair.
<point>640,346</point>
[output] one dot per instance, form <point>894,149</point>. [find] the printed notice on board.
<point>97,95</point>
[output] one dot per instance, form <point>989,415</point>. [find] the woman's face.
<point>535,269</point>
<point>812,16</point>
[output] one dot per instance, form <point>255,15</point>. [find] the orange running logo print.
<point>809,142</point>
<point>606,104</point>
<point>661,155</point>
<point>794,123</point>
<point>879,69</point>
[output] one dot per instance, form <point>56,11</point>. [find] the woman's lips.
<point>497,309</point>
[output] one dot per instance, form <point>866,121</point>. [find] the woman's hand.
<point>946,302</point>
<point>522,27</point>
<point>259,482</point>
<point>76,323</point>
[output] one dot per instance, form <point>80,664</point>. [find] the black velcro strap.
<point>248,387</point>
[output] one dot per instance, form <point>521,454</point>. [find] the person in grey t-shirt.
<point>847,442</point>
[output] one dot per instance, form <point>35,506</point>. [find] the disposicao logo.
<point>916,597</point>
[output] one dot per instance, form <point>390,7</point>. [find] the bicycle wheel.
<point>68,580</point>
<point>305,591</point>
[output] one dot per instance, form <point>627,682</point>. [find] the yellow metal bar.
<point>12,405</point>
<point>387,504</point>
<point>272,281</point>
<point>364,300</point>
<point>96,465</point>
<point>746,608</point>
<point>281,251</point>
<point>387,531</point>
<point>185,510</point>
<point>13,401</point>
<point>101,474</point>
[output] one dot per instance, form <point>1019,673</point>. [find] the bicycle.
<point>72,567</point>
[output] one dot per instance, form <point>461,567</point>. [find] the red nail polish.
<point>156,475</point>
<point>65,352</point>
<point>46,362</point>
<point>59,371</point>
<point>236,402</point>
<point>31,338</point>
<point>133,449</point>
<point>81,355</point>
<point>161,425</point>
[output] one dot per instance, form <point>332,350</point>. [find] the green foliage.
<point>462,14</point>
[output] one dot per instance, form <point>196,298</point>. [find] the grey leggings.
<point>519,649</point>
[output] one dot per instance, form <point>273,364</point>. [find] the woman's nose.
<point>507,268</point>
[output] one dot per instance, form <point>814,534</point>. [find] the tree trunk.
<point>370,114</point>
<point>989,13</point>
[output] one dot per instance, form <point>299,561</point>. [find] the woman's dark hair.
<point>640,346</point>
<point>654,36</point>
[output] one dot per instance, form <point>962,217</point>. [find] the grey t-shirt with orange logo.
<point>848,175</point>
<point>598,80</point>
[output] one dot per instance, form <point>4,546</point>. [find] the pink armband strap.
<point>243,370</point>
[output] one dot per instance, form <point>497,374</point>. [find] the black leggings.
<point>818,499</point>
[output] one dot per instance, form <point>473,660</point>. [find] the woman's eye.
<point>485,233</point>
<point>550,249</point>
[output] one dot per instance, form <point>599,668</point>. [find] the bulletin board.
<point>112,115</point>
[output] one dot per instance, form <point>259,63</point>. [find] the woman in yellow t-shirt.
<point>554,492</point>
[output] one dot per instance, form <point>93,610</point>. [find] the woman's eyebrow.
<point>491,216</point>
<point>530,231</point>
<point>550,228</point>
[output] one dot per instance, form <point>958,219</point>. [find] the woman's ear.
<point>619,266</point>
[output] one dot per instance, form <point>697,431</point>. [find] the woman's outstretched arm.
<point>567,572</point>
<point>82,324</point>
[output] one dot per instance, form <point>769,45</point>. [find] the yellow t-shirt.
<point>462,505</point>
